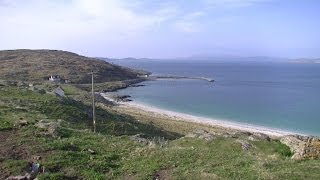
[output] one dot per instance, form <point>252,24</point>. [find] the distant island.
<point>306,60</point>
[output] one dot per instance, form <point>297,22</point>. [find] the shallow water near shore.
<point>276,95</point>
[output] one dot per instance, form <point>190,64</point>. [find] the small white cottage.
<point>55,78</point>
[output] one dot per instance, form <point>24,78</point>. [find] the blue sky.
<point>164,29</point>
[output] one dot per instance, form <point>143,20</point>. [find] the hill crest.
<point>39,65</point>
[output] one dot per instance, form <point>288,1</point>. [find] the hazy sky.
<point>163,29</point>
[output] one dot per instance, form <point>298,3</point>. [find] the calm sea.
<point>278,95</point>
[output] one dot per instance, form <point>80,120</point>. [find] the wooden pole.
<point>93,107</point>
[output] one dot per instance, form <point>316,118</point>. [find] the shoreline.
<point>155,111</point>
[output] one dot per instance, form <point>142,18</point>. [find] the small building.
<point>143,75</point>
<point>55,78</point>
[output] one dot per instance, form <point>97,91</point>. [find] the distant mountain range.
<point>225,58</point>
<point>235,58</point>
<point>306,60</point>
<point>127,58</point>
<point>205,58</point>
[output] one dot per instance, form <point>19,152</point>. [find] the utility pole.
<point>93,106</point>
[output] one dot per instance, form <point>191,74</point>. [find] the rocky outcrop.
<point>244,145</point>
<point>241,134</point>
<point>21,123</point>
<point>151,142</point>
<point>122,98</point>
<point>255,136</point>
<point>259,137</point>
<point>140,138</point>
<point>201,134</point>
<point>49,128</point>
<point>303,147</point>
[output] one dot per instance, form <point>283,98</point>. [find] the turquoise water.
<point>277,95</point>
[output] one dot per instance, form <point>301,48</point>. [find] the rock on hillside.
<point>38,65</point>
<point>303,147</point>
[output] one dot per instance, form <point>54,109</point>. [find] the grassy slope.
<point>38,65</point>
<point>118,157</point>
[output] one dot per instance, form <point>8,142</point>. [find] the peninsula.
<point>178,77</point>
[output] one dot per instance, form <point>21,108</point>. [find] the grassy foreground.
<point>71,151</point>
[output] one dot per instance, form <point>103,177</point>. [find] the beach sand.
<point>155,112</point>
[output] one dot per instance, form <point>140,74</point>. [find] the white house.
<point>143,76</point>
<point>55,78</point>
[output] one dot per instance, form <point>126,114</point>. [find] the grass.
<point>106,86</point>
<point>70,90</point>
<point>111,154</point>
<point>274,147</point>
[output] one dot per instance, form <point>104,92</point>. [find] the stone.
<point>91,151</point>
<point>49,127</point>
<point>201,134</point>
<point>303,147</point>
<point>244,145</point>
<point>22,123</point>
<point>227,135</point>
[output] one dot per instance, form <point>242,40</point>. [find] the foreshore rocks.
<point>303,147</point>
<point>123,98</point>
<point>255,136</point>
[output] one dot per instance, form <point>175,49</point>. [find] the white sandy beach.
<point>202,120</point>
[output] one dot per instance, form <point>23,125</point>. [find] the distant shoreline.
<point>155,111</point>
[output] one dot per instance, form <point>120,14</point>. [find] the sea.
<point>278,95</point>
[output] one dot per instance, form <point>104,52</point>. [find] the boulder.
<point>22,123</point>
<point>244,145</point>
<point>303,147</point>
<point>48,127</point>
<point>91,151</point>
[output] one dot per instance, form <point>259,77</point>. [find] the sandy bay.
<point>149,111</point>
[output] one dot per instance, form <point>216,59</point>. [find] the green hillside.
<point>39,65</point>
<point>56,132</point>
<point>36,125</point>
